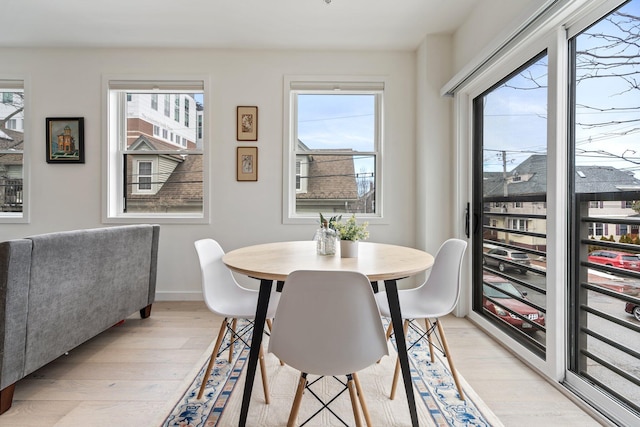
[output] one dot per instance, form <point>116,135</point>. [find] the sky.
<point>338,121</point>
<point>607,113</point>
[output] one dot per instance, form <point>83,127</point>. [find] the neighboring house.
<point>529,178</point>
<point>11,169</point>
<point>11,149</point>
<point>162,182</point>
<point>325,182</point>
<point>161,178</point>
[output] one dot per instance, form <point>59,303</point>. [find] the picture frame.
<point>247,123</point>
<point>247,164</point>
<point>65,140</point>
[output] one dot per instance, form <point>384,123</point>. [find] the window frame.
<point>23,83</point>
<point>294,85</point>
<point>113,180</point>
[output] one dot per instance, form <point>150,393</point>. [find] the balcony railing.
<point>513,293</point>
<point>605,349</point>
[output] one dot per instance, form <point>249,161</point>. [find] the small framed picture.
<point>65,140</point>
<point>247,164</point>
<point>247,124</point>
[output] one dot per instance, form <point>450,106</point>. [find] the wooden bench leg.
<point>145,312</point>
<point>6,398</point>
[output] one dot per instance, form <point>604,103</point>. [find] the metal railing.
<point>605,339</point>
<point>515,223</point>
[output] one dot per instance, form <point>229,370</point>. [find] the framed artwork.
<point>65,139</point>
<point>247,164</point>
<point>247,124</point>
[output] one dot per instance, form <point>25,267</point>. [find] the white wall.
<point>434,148</point>
<point>490,20</point>
<point>64,82</point>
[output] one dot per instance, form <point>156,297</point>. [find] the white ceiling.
<point>246,24</point>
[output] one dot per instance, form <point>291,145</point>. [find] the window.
<point>151,177</point>
<point>167,106</point>
<point>176,109</point>
<point>12,109</point>
<point>519,224</point>
<point>334,140</point>
<point>154,101</point>
<point>145,172</point>
<point>510,142</point>
<point>186,112</point>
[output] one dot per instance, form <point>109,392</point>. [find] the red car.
<point>634,309</point>
<point>617,259</point>
<point>504,297</point>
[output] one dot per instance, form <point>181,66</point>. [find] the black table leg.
<point>256,340</point>
<point>396,319</point>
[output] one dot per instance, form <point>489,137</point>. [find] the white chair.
<point>328,324</point>
<point>435,298</point>
<point>225,297</point>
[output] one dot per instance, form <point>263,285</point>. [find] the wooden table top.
<point>378,261</point>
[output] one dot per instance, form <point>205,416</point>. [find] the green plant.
<point>350,230</point>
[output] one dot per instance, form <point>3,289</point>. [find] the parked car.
<point>504,296</point>
<point>617,259</point>
<point>634,309</point>
<point>496,257</point>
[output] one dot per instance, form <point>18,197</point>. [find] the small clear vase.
<point>326,239</point>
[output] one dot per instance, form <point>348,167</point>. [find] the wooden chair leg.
<point>389,331</point>
<point>449,358</point>
<point>363,403</point>
<point>263,371</point>
<point>295,408</point>
<point>212,361</point>
<point>234,322</point>
<point>427,324</point>
<point>396,372</point>
<point>354,401</point>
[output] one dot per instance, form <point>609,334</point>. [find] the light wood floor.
<point>129,375</point>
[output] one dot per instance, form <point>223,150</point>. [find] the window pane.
<point>11,151</point>
<point>511,166</point>
<point>606,186</point>
<point>337,121</point>
<point>161,157</point>
<point>330,183</point>
<point>336,152</point>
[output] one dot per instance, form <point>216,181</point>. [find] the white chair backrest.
<point>328,323</point>
<point>443,283</point>
<point>219,287</point>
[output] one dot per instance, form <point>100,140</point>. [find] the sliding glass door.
<point>604,347</point>
<point>510,174</point>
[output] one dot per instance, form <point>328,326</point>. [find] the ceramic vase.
<point>348,248</point>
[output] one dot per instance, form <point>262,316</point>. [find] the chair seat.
<point>245,307</point>
<point>412,305</point>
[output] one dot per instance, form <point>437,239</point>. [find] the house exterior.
<point>328,182</point>
<point>11,151</point>
<point>161,177</point>
<point>529,179</point>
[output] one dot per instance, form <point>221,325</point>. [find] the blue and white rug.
<point>436,395</point>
